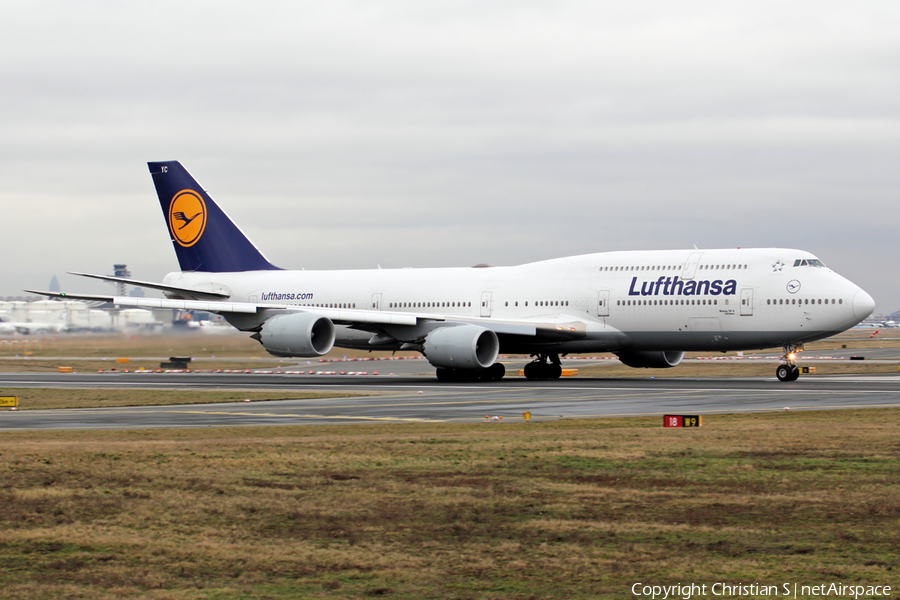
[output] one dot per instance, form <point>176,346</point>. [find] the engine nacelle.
<point>298,334</point>
<point>462,347</point>
<point>651,360</point>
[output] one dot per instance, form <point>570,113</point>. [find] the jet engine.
<point>462,347</point>
<point>297,334</point>
<point>651,360</point>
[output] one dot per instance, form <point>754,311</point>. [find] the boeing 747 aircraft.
<point>647,308</point>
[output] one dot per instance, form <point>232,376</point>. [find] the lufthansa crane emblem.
<point>793,286</point>
<point>187,217</point>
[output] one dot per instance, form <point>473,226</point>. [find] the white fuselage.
<point>728,299</point>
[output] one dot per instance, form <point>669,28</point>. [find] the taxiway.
<point>420,399</point>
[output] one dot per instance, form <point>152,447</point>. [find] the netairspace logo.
<point>784,590</point>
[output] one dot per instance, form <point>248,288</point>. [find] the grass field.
<point>222,351</point>
<point>564,509</point>
<point>746,368</point>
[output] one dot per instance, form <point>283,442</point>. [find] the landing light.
<point>792,356</point>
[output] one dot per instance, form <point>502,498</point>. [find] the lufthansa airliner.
<point>647,308</point>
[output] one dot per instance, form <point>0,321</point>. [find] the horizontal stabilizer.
<point>186,293</point>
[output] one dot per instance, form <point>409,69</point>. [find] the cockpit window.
<point>812,262</point>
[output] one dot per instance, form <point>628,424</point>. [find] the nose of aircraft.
<point>863,305</point>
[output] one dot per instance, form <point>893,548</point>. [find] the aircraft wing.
<point>335,314</point>
<point>551,327</point>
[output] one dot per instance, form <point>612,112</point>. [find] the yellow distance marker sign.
<point>9,401</point>
<point>683,421</point>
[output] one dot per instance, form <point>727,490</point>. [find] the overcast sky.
<point>353,134</point>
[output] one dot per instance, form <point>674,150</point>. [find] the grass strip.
<point>561,509</point>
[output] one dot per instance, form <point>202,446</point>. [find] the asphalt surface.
<point>423,399</point>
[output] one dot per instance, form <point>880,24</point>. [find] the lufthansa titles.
<point>673,286</point>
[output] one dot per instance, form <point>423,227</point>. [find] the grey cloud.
<point>346,134</point>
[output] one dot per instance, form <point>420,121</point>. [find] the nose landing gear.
<point>789,371</point>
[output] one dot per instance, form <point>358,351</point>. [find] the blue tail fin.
<point>205,238</point>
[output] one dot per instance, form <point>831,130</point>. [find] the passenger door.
<point>747,302</point>
<point>690,267</point>
<point>485,304</point>
<point>603,303</point>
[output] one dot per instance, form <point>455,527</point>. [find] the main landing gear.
<point>545,366</point>
<point>493,373</point>
<point>789,371</point>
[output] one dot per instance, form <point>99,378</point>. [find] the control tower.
<point>120,271</point>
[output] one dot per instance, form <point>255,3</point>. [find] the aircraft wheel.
<point>795,373</point>
<point>446,375</point>
<point>496,371</point>
<point>784,373</point>
<point>483,375</point>
<point>554,371</point>
<point>531,370</point>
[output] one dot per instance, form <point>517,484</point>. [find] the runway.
<point>399,399</point>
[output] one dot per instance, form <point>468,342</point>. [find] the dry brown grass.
<point>39,365</point>
<point>221,351</point>
<point>566,509</point>
<point>112,346</point>
<point>745,368</point>
<point>233,345</point>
